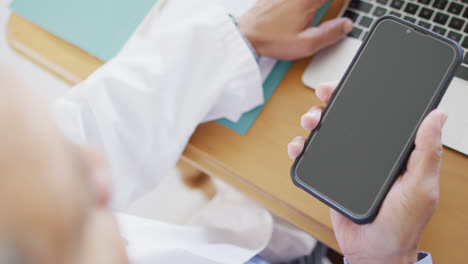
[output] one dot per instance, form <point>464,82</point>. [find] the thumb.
<point>424,163</point>
<point>326,34</point>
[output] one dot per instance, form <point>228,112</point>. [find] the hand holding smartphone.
<point>367,131</point>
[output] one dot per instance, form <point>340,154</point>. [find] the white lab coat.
<point>187,63</point>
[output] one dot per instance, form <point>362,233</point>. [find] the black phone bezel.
<point>401,164</point>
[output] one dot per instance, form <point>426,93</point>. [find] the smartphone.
<point>367,130</point>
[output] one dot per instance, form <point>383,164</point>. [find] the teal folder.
<point>101,28</point>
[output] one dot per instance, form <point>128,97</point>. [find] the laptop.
<point>445,17</point>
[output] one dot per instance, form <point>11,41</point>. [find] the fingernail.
<point>296,139</point>
<point>290,154</point>
<point>313,113</point>
<point>291,148</point>
<point>443,119</point>
<point>319,91</point>
<point>322,86</point>
<point>348,25</point>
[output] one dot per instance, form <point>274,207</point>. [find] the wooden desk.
<point>257,164</point>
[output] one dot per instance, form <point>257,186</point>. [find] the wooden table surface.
<point>257,164</point>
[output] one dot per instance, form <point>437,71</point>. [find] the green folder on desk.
<point>102,27</point>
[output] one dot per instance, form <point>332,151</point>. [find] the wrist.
<point>407,258</point>
<point>248,40</point>
<point>254,43</point>
<point>249,33</point>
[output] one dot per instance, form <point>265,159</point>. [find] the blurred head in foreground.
<point>53,194</point>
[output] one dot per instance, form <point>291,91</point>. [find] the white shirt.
<point>187,63</point>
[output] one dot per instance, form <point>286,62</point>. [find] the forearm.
<point>141,108</point>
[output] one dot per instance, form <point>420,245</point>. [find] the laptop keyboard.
<point>447,18</point>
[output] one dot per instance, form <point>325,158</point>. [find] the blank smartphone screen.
<point>374,116</point>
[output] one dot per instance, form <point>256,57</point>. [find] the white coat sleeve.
<point>141,108</point>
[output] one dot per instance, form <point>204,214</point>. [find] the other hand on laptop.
<point>281,28</point>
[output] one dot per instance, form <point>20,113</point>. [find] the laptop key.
<point>441,18</point>
<point>366,21</point>
<point>397,4</point>
<point>440,4</point>
<point>411,8</point>
<point>379,11</point>
<point>465,14</point>
<point>395,13</point>
<point>351,15</point>
<point>465,59</point>
<point>439,30</point>
<point>383,2</point>
<point>426,13</point>
<point>425,2</point>
<point>455,8</point>
<point>466,29</point>
<point>410,19</point>
<point>465,43</point>
<point>455,36</point>
<point>462,72</point>
<point>360,5</point>
<point>355,33</point>
<point>456,23</point>
<point>424,24</point>
<point>365,7</point>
